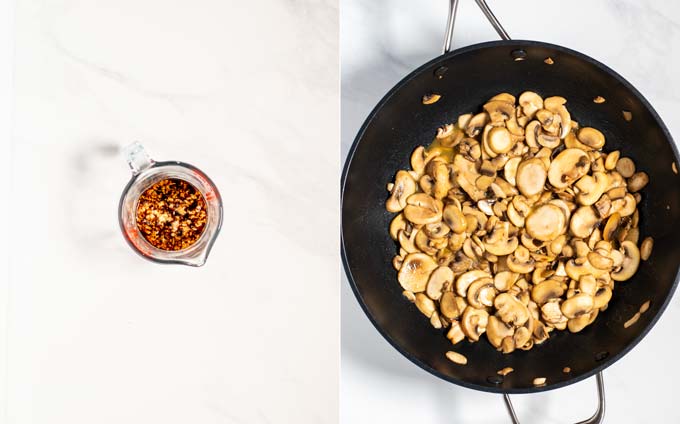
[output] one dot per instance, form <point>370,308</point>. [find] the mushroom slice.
<point>474,322</point>
<point>576,268</point>
<point>466,175</point>
<point>499,140</point>
<point>510,170</point>
<point>602,297</point>
<point>546,290</point>
<point>398,223</point>
<point>583,221</point>
<point>404,187</point>
<point>499,111</point>
<point>464,280</point>
<point>646,248</point>
<point>455,333</point>
<point>579,323</point>
<point>439,171</point>
<point>625,206</point>
<point>407,243</point>
<point>436,230</point>
<point>520,261</point>
<point>463,120</point>
<point>612,158</point>
<point>504,97</point>
<point>591,137</point>
<point>415,271</point>
<point>552,314</point>
<point>599,261</point>
<point>498,241</point>
<point>497,330</point>
<point>453,217</point>
<point>611,226</point>
<point>603,206</point>
<point>631,261</point>
<point>545,222</point>
<point>637,181</point>
<point>425,305</point>
<point>481,293</point>
<point>591,188</point>
<point>423,209</point>
<point>547,140</point>
<point>577,305</point>
<point>625,167</point>
<point>511,310</point>
<point>568,166</point>
<point>448,306</point>
<point>556,105</point>
<point>476,124</point>
<point>440,279</point>
<point>531,134</point>
<point>530,102</point>
<point>522,337</point>
<point>503,280</point>
<point>530,176</point>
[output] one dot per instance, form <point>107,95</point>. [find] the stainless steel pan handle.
<point>598,416</point>
<point>453,7</point>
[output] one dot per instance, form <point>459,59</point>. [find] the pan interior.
<point>401,122</point>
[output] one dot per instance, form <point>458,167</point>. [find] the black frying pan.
<point>466,78</point>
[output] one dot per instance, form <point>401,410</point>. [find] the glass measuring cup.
<point>147,172</point>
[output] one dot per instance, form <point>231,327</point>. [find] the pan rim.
<point>348,161</point>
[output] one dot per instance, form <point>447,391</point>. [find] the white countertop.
<point>246,91</point>
<point>381,42</point>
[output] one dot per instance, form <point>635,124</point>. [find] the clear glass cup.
<point>145,173</point>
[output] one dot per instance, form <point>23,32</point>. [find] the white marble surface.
<point>382,41</point>
<point>247,91</point>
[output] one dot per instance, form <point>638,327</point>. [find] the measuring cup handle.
<point>137,158</point>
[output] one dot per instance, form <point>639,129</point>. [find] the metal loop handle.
<point>597,417</point>
<point>450,23</point>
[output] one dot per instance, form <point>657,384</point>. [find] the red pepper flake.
<point>171,214</point>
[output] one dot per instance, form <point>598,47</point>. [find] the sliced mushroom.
<point>625,206</point>
<point>499,110</point>
<point>583,221</point>
<point>625,167</point>
<point>552,314</point>
<point>398,223</point>
<point>520,261</point>
<point>530,177</point>
<point>602,297</point>
<point>637,181</point>
<point>476,124</point>
<point>646,248</point>
<point>531,134</point>
<point>568,166</point>
<point>546,290</point>
<point>425,304</point>
<point>591,137</point>
<point>555,105</point>
<point>591,188</point>
<point>511,310</point>
<point>530,103</point>
<point>453,217</point>
<point>503,280</point>
<point>423,209</point>
<point>440,279</point>
<point>415,272</point>
<point>404,187</point>
<point>600,261</point>
<point>577,305</point>
<point>464,280</point>
<point>455,333</point>
<point>499,140</point>
<point>436,230</point>
<point>448,306</point>
<point>481,293</point>
<point>510,170</point>
<point>612,158</point>
<point>545,222</point>
<point>631,261</point>
<point>474,322</point>
<point>497,330</point>
<point>499,242</point>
